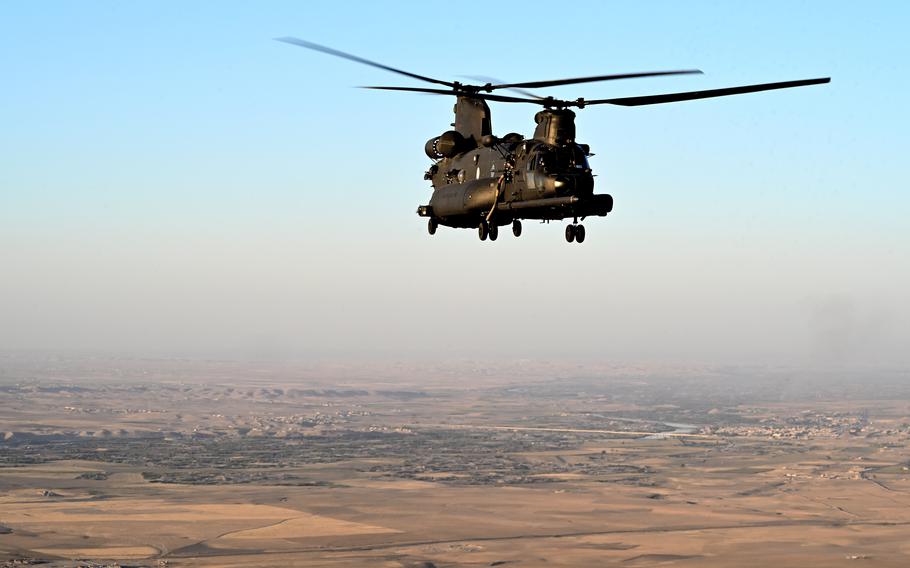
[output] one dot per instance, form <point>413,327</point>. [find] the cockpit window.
<point>573,158</point>
<point>568,159</point>
<point>581,161</point>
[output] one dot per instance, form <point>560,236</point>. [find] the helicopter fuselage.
<point>481,181</point>
<point>513,179</point>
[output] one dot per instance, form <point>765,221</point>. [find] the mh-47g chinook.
<point>484,182</point>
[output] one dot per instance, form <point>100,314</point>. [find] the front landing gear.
<point>575,233</point>
<point>494,232</point>
<point>579,233</point>
<point>432,225</point>
<point>516,228</point>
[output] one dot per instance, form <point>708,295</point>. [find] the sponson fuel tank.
<point>477,195</point>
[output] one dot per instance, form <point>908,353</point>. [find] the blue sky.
<point>173,180</point>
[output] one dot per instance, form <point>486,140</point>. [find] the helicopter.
<point>483,182</point>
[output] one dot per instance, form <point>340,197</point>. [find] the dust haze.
<point>278,295</point>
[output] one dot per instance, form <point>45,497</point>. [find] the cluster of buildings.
<point>807,425</point>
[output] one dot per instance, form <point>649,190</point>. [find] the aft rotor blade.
<point>557,82</point>
<point>485,96</point>
<point>336,53</point>
<point>693,95</point>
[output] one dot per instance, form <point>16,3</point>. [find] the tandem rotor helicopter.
<point>484,182</point>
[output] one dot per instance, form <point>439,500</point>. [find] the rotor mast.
<point>555,126</point>
<point>472,119</point>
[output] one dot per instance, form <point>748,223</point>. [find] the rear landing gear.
<point>575,233</point>
<point>431,226</point>
<point>516,228</point>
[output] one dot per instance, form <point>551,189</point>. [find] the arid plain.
<point>142,462</point>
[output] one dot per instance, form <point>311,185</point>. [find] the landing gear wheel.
<point>483,230</point>
<point>570,233</point>
<point>579,233</point>
<point>431,226</point>
<point>516,228</point>
<point>494,232</point>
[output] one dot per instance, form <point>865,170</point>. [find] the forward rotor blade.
<point>538,84</point>
<point>343,55</point>
<point>492,80</point>
<point>692,95</point>
<point>485,96</point>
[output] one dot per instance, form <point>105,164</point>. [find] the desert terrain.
<point>119,461</point>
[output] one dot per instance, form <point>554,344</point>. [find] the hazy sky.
<point>173,180</point>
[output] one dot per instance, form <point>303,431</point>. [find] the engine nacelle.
<point>449,144</point>
<point>430,149</point>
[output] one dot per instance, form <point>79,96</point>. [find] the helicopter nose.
<point>573,184</point>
